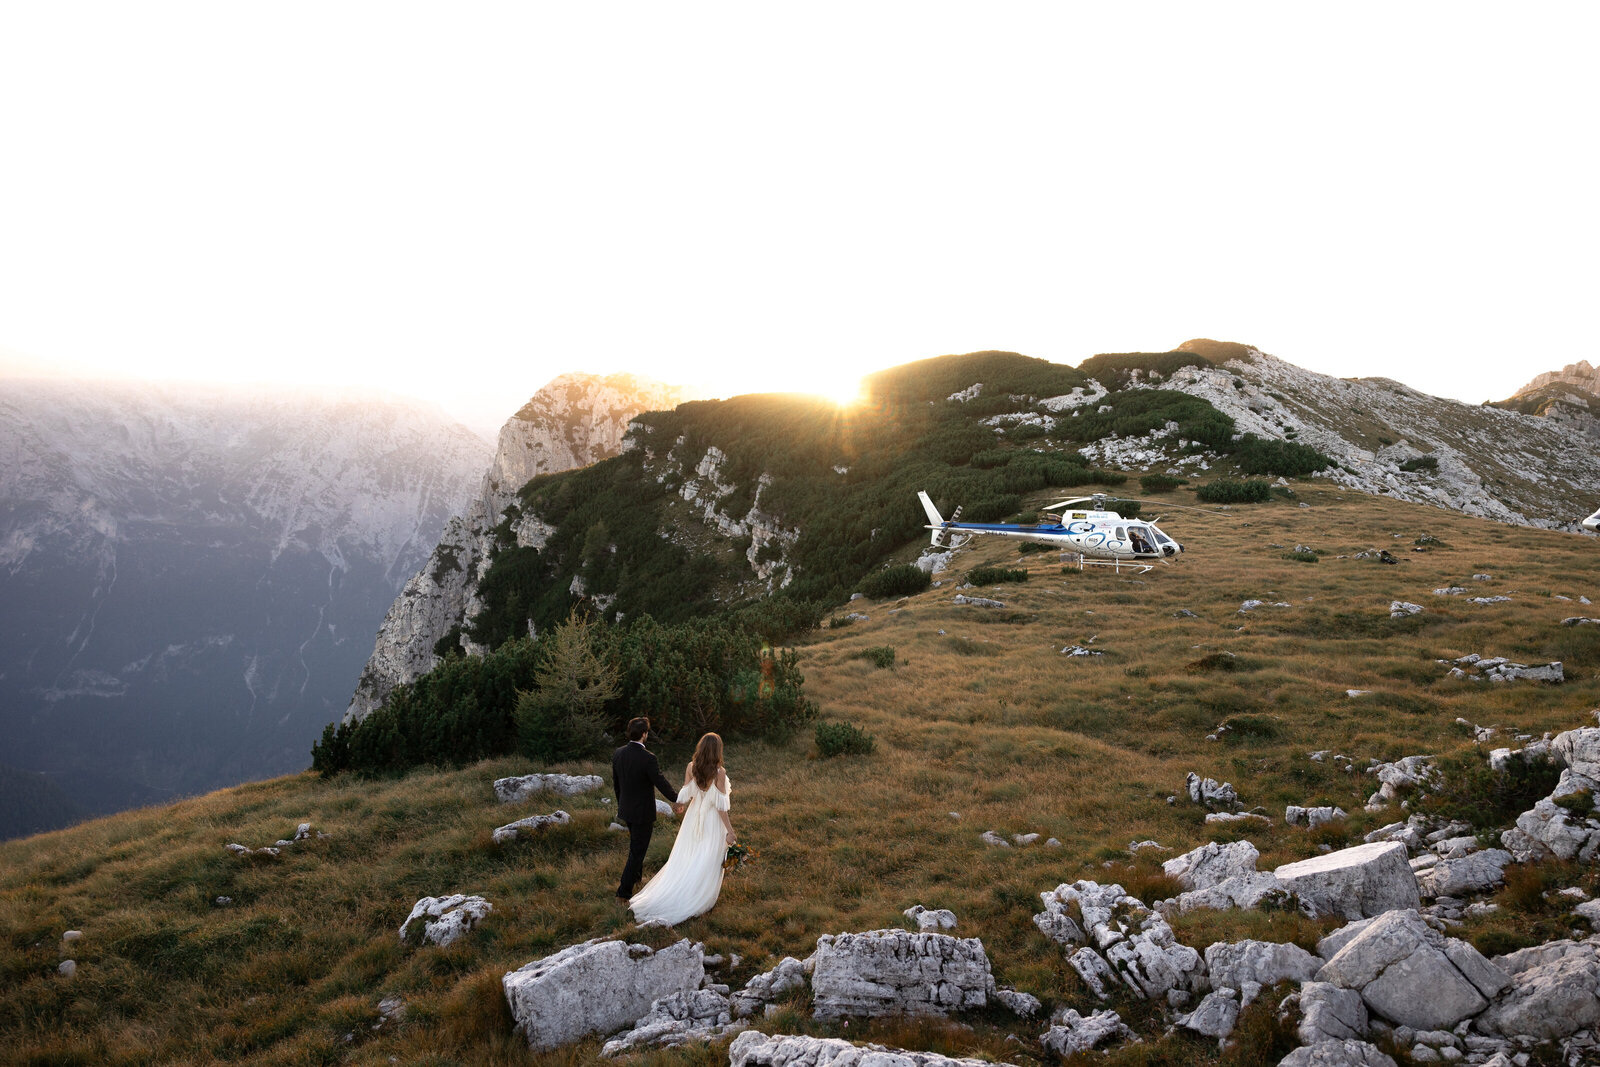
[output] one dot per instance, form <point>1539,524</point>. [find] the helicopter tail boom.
<point>935,520</point>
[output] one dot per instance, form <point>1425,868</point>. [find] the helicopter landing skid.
<point>1116,565</point>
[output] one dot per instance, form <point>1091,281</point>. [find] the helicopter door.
<point>1141,546</point>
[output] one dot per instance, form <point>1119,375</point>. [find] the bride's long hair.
<point>707,760</point>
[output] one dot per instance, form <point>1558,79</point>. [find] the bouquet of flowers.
<point>738,856</point>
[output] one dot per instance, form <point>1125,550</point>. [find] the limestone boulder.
<point>1022,1005</point>
<point>443,920</point>
<point>1210,792</point>
<point>755,1049</point>
<point>1256,890</point>
<point>1212,863</point>
<point>1095,972</point>
<point>1355,882</point>
<point>1136,947</point>
<point>533,824</point>
<point>699,1015</point>
<point>763,989</point>
<point>1554,991</point>
<point>1399,966</point>
<point>598,987</point>
<point>512,790</point>
<point>930,918</point>
<point>1579,749</point>
<point>1214,1016</point>
<point>1331,1013</point>
<point>1071,1033</point>
<point>1476,872</point>
<point>1338,1054</point>
<point>1549,829</point>
<point>1311,818</point>
<point>896,972</point>
<point>1234,965</point>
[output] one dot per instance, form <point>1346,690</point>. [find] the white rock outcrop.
<point>1129,944</point>
<point>443,920</point>
<point>755,1049</point>
<point>700,1015</point>
<point>1071,1033</point>
<point>1338,1054</point>
<point>1354,882</point>
<point>1476,872</point>
<point>1554,991</point>
<point>1212,863</point>
<point>512,790</point>
<point>533,824</point>
<point>1242,964</point>
<point>764,988</point>
<point>896,972</point>
<point>598,987</point>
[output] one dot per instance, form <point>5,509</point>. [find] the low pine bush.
<point>903,580</point>
<point>995,575</point>
<point>1160,483</point>
<point>882,656</point>
<point>1233,491</point>
<point>842,739</point>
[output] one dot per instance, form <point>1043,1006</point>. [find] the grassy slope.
<point>988,720</point>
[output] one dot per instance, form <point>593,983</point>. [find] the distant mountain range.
<point>1569,396</point>
<point>190,578</point>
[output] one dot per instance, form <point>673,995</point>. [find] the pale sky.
<point>460,201</point>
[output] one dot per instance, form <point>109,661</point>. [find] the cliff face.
<point>575,420</point>
<point>185,572</point>
<point>1569,397</point>
<point>1578,374</point>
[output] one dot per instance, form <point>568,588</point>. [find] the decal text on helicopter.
<point>1101,538</point>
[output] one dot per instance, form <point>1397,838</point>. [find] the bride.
<point>688,884</point>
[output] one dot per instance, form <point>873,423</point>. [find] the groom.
<point>635,775</point>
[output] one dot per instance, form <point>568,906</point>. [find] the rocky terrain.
<point>1569,397</point>
<point>1388,438</point>
<point>575,420</point>
<point>189,575</point>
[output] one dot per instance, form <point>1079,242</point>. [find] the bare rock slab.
<point>1071,1033</point>
<point>1554,992</point>
<point>511,790</point>
<point>1356,882</point>
<point>1212,863</point>
<point>896,972</point>
<point>678,1019</point>
<point>598,987</point>
<point>755,1049</point>
<point>1266,963</point>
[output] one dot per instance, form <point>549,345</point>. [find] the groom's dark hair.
<point>637,728</point>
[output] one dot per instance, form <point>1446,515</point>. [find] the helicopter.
<point>1101,538</point>
<point>1592,523</point>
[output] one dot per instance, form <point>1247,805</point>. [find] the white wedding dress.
<point>689,882</point>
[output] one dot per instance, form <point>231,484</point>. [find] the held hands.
<point>679,809</point>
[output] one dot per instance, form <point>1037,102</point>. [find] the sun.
<point>844,392</point>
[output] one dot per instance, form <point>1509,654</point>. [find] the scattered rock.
<point>677,1019</point>
<point>994,840</point>
<point>1399,609</point>
<point>1338,1054</point>
<point>1079,650</point>
<point>1488,599</point>
<point>533,824</point>
<point>1242,816</point>
<point>1024,840</point>
<point>1330,1013</point>
<point>443,920</point>
<point>1209,792</point>
<point>1407,773</point>
<point>72,935</point>
<point>927,919</point>
<point>979,601</point>
<point>1215,1016</point>
<point>755,1049</point>
<point>895,972</point>
<point>1212,863</point>
<point>597,987</point>
<point>223,902</point>
<point>1071,1033</point>
<point>1354,882</point>
<point>1138,946</point>
<point>1022,1005</point>
<point>1251,605</point>
<point>67,968</point>
<point>1260,963</point>
<point>763,989</point>
<point>1579,620</point>
<point>1255,890</point>
<point>1552,992</point>
<point>1474,873</point>
<point>511,790</point>
<point>1311,818</point>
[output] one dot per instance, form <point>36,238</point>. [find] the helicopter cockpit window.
<point>1122,535</point>
<point>1161,538</point>
<point>1139,542</point>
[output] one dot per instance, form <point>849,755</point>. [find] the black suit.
<point>635,775</point>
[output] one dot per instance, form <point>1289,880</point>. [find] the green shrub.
<point>1232,491</point>
<point>838,621</point>
<point>1579,803</point>
<point>1257,455</point>
<point>995,575</point>
<point>882,656</point>
<point>992,509</point>
<point>1128,509</point>
<point>1421,463</point>
<point>1469,790</point>
<point>1160,483</point>
<point>563,716</point>
<point>903,580</point>
<point>1301,557</point>
<point>842,739</point>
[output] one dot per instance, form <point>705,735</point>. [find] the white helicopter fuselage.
<point>1102,535</point>
<point>1592,523</point>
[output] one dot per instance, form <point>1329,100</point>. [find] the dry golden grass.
<point>986,720</point>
